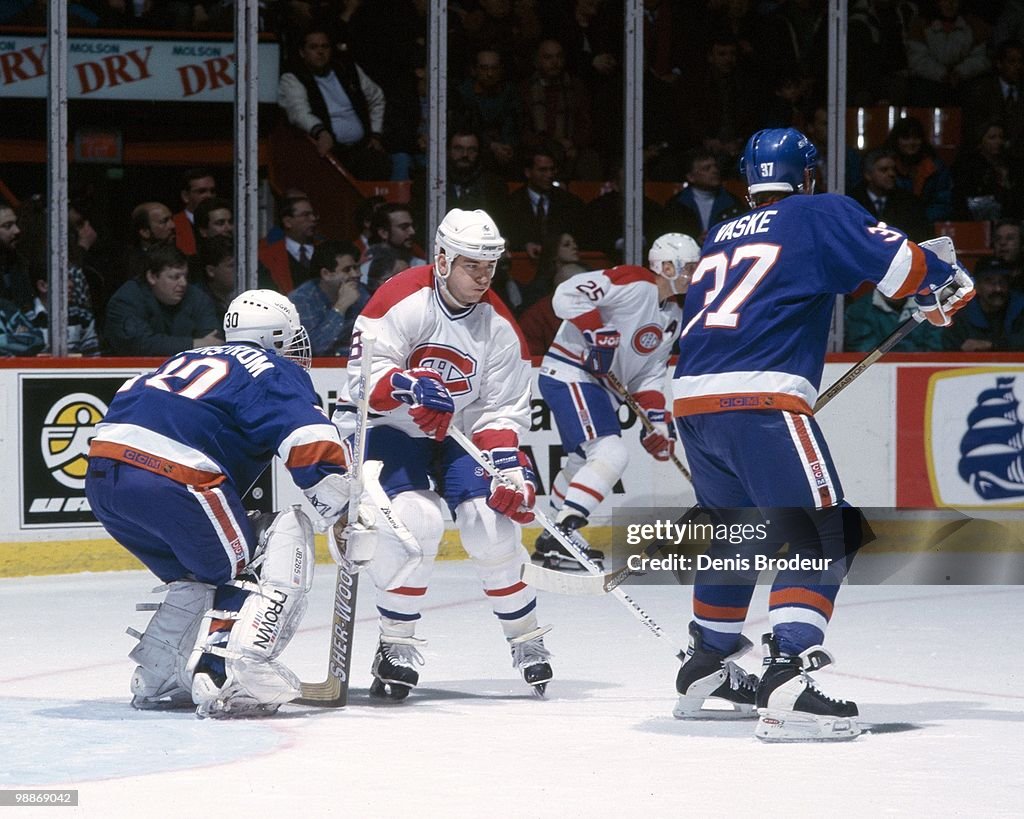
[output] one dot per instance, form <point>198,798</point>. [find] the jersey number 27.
<point>762,257</point>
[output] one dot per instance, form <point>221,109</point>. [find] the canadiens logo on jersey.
<point>67,430</point>
<point>647,339</point>
<point>455,367</point>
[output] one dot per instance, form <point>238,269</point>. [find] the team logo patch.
<point>456,368</point>
<point>647,339</point>
<point>69,426</point>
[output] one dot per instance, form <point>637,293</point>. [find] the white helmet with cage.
<point>269,319</point>
<point>677,248</point>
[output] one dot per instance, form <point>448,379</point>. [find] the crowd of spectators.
<point>535,96</point>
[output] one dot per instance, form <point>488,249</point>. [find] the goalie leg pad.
<point>493,542</point>
<point>253,682</point>
<point>162,679</point>
<point>420,510</point>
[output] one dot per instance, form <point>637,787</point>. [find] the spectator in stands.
<point>987,185</point>
<point>384,263</point>
<point>326,95</point>
<point>703,202</point>
<point>793,37</point>
<point>363,219</point>
<point>1006,247</point>
<point>153,227</point>
<point>994,320</point>
<point>872,318</point>
<point>214,217</point>
<point>999,96</point>
<point>539,209</point>
<point>217,258</point>
<point>513,29</point>
<point>287,260</point>
<point>787,102</point>
<point>14,268</point>
<point>920,170</point>
<point>329,302</point>
<point>723,103</point>
<point>878,193</point>
<point>877,51</point>
<point>197,185</point>
<point>539,322</point>
<point>945,51</point>
<point>556,114</point>
<point>817,131</point>
<point>490,104</point>
<point>392,225</point>
<point>470,185</point>
<point>159,313</point>
<point>602,223</point>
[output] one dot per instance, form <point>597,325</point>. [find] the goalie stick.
<point>573,544</point>
<point>333,691</point>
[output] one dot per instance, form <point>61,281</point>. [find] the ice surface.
<point>938,672</point>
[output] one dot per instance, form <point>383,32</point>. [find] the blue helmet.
<point>775,160</point>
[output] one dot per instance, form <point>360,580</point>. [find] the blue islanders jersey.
<point>221,413</point>
<point>759,307</point>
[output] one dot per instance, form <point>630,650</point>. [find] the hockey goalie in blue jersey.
<point>167,469</point>
<point>752,350</point>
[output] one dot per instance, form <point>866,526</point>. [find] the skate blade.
<point>789,726</point>
<point>711,708</point>
<point>388,690</point>
<point>566,564</point>
<point>163,705</point>
<point>540,689</point>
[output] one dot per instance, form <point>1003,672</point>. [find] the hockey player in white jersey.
<point>448,352</point>
<point>167,468</point>
<point>623,320</point>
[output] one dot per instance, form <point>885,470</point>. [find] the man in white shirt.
<point>326,95</point>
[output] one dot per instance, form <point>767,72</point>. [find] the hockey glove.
<point>659,441</point>
<point>432,405</point>
<point>601,346</point>
<point>514,492</point>
<point>354,545</point>
<point>329,499</point>
<point>940,304</point>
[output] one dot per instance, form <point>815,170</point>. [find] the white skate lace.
<point>529,653</point>
<point>739,679</point>
<point>809,682</point>
<point>403,655</point>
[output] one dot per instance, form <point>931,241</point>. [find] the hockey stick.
<point>333,692</point>
<point>573,544</point>
<point>858,369</point>
<point>630,401</point>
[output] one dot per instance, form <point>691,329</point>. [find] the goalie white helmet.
<point>269,319</point>
<point>677,248</point>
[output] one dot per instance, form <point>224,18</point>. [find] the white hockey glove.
<point>329,499</point>
<point>514,493</point>
<point>659,441</point>
<point>354,545</point>
<point>940,304</point>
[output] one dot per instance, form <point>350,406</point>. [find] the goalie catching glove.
<point>431,404</point>
<point>514,490</point>
<point>659,440</point>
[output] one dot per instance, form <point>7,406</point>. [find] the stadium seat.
<point>522,269</point>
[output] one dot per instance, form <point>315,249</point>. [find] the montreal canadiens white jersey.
<point>624,298</point>
<point>479,352</point>
<point>221,413</point>
<point>759,306</point>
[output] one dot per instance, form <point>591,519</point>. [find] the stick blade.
<point>550,580</point>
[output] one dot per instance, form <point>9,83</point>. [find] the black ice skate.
<point>553,555</point>
<point>394,667</point>
<point>791,707</point>
<point>530,657</point>
<point>711,685</point>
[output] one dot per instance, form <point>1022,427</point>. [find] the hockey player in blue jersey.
<point>167,468</point>
<point>752,350</point>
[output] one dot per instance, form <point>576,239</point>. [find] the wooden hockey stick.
<point>630,401</point>
<point>333,691</point>
<point>574,544</point>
